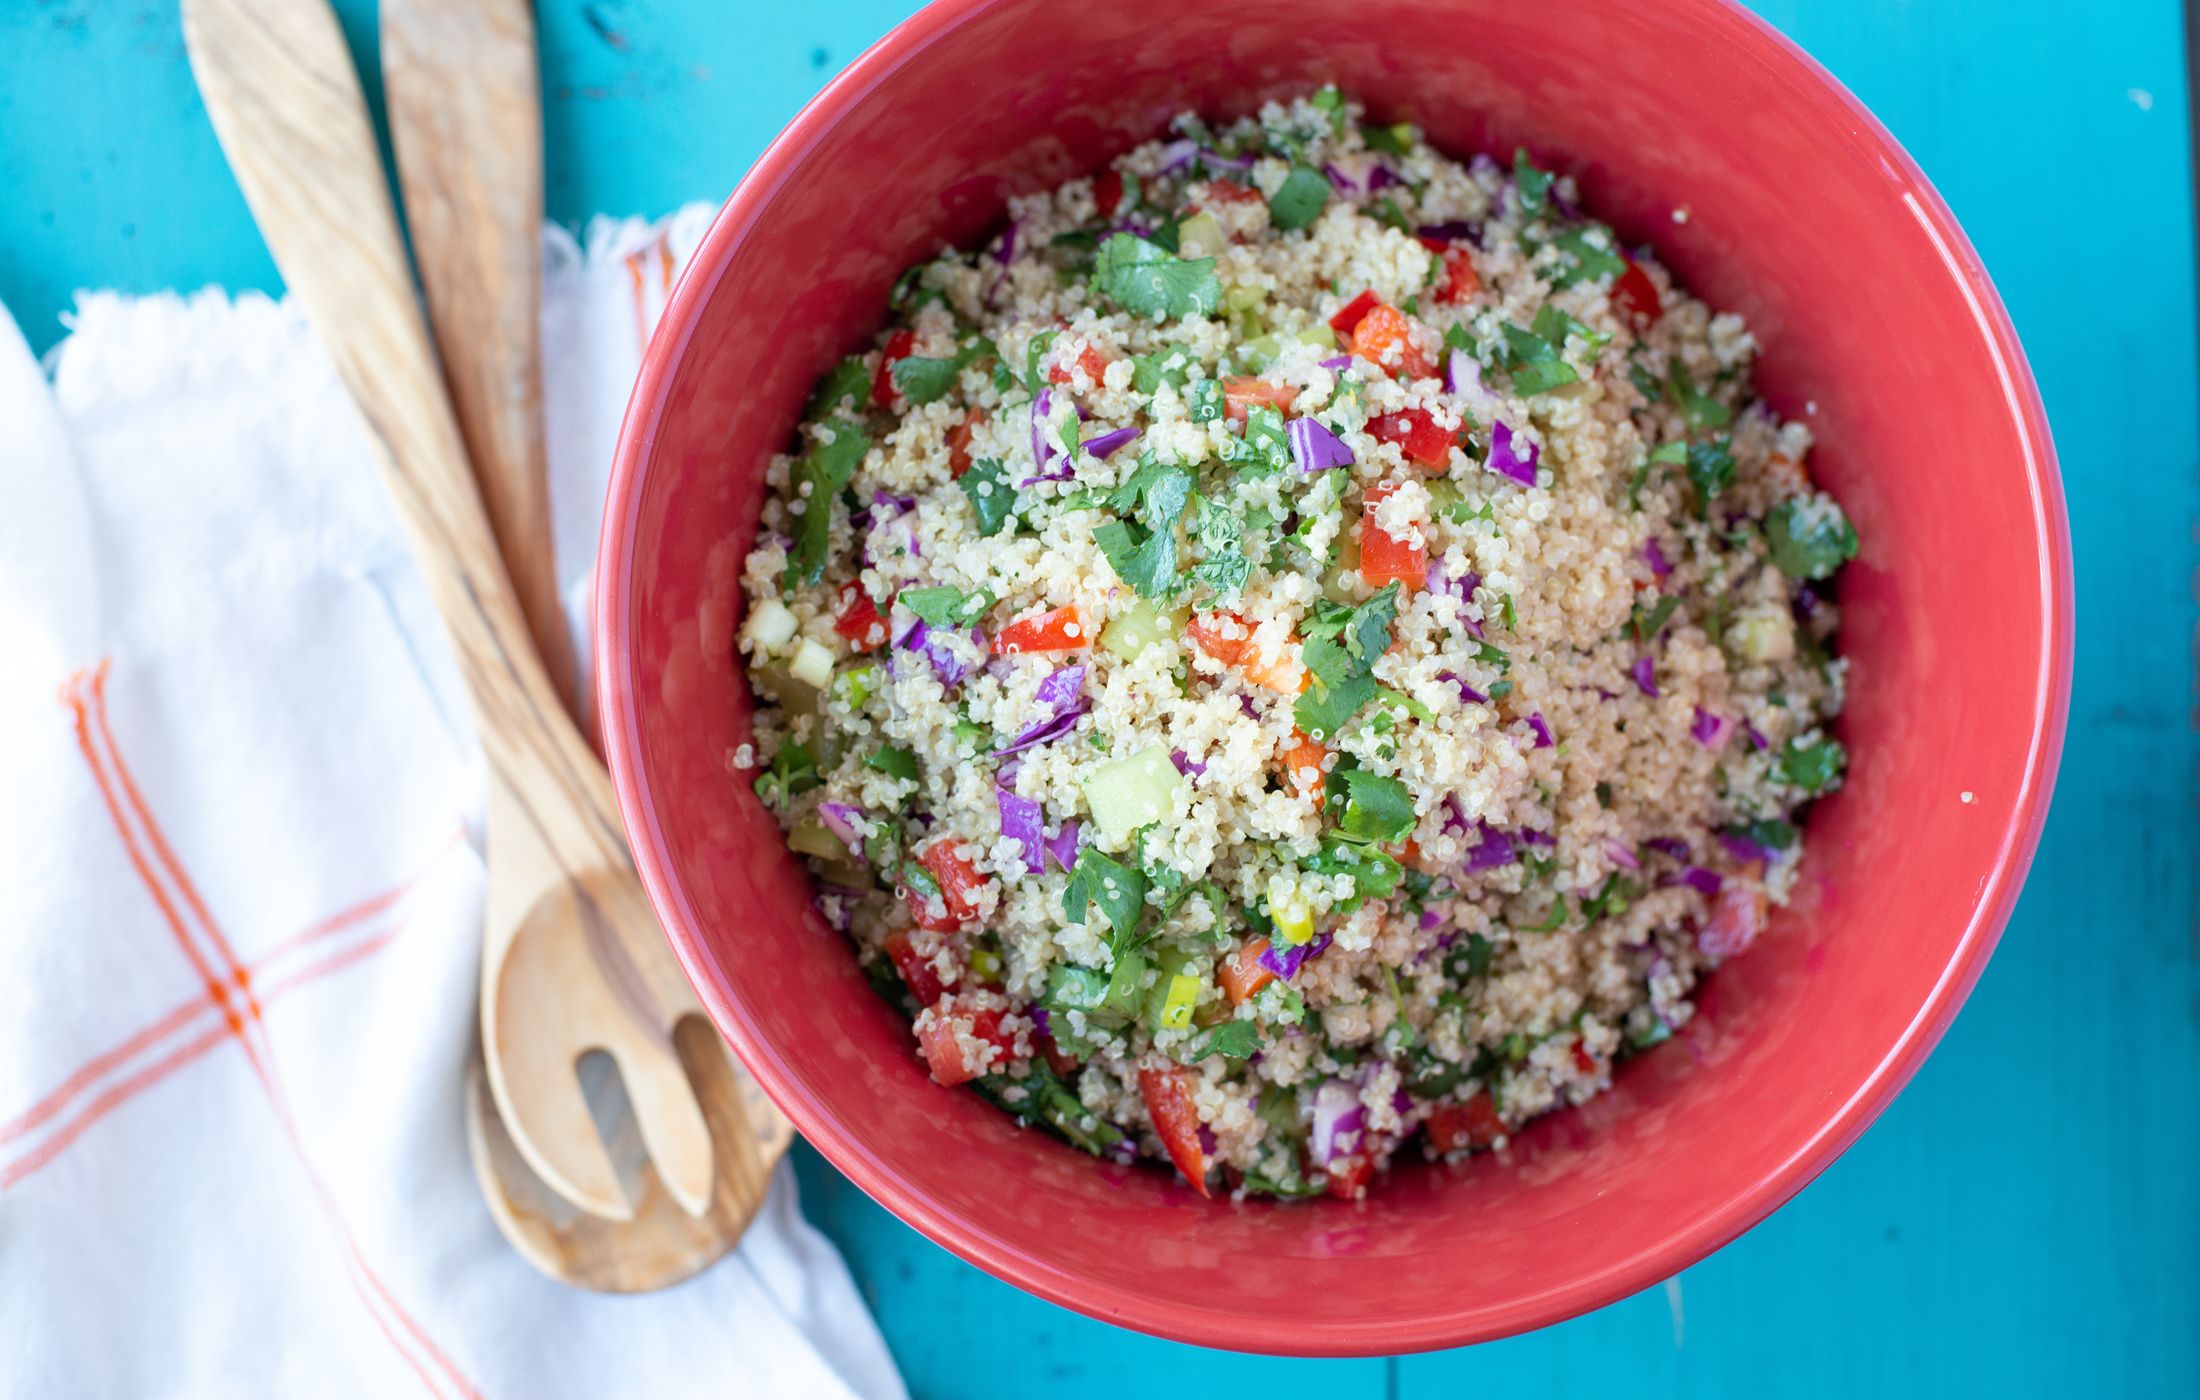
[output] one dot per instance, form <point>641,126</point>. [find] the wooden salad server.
<point>580,963</point>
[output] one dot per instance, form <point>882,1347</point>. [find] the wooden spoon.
<point>459,78</point>
<point>466,122</point>
<point>580,962</point>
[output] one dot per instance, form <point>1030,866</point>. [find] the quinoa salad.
<point>1301,650</point>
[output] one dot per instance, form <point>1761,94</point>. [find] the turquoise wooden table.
<point>2026,1219</point>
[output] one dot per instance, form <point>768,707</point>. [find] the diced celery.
<point>1126,988</point>
<point>1236,298</point>
<point>1200,236</point>
<point>812,664</point>
<point>779,685</point>
<point>1140,626</point>
<point>1320,334</point>
<point>1133,792</point>
<point>811,838</point>
<point>1261,350</point>
<point>1347,560</point>
<point>770,626</point>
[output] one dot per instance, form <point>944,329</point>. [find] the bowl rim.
<point>1679,1247</point>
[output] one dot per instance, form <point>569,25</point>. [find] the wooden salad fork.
<point>573,957</point>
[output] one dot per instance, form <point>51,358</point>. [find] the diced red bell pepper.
<point>1243,392</point>
<point>899,346</point>
<point>1471,1124</point>
<point>917,972</point>
<point>1059,629</point>
<point>1242,975</point>
<point>1228,638</point>
<point>958,442</point>
<point>1737,917</point>
<point>859,621</point>
<point>1107,192</point>
<point>1303,761</point>
<point>1175,1113</point>
<point>1425,442</point>
<point>960,882</point>
<point>1461,281</point>
<point>1231,192</point>
<point>942,1046</point>
<point>1384,557</point>
<point>1634,293</point>
<point>1059,1060</point>
<point>1347,320</point>
<point>1583,1060</point>
<point>1091,361</point>
<point>1348,1176</point>
<point>1385,336</point>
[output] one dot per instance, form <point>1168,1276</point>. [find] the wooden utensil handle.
<point>286,104</point>
<point>466,122</point>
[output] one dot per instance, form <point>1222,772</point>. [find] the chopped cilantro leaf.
<point>1374,874</point>
<point>1710,471</point>
<point>1646,623</point>
<point>894,763</point>
<point>1375,808</point>
<point>922,378</point>
<point>992,499</point>
<point>792,772</point>
<point>1207,401</point>
<point>1233,1040</point>
<point>1590,255</point>
<point>1299,200</point>
<point>1700,409</point>
<point>825,469</point>
<point>1148,280</point>
<point>1536,363</point>
<point>946,607</point>
<point>1390,140</point>
<point>1770,832</point>
<point>1117,889</point>
<point>1812,767</point>
<point>1034,353</point>
<point>1809,538</point>
<point>846,380</point>
<point>1149,372</point>
<point>1534,185</point>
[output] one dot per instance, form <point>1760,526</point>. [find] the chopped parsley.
<point>1148,280</point>
<point>1646,623</point>
<point>1150,371</point>
<point>1224,568</point>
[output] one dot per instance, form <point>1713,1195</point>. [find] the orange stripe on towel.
<point>88,703</point>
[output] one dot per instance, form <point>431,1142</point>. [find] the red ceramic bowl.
<point>1803,215</point>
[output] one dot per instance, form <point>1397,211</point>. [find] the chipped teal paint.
<point>2025,1220</point>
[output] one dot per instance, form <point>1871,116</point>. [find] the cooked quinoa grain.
<point>1300,647</point>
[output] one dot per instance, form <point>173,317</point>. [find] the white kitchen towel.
<point>240,896</point>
